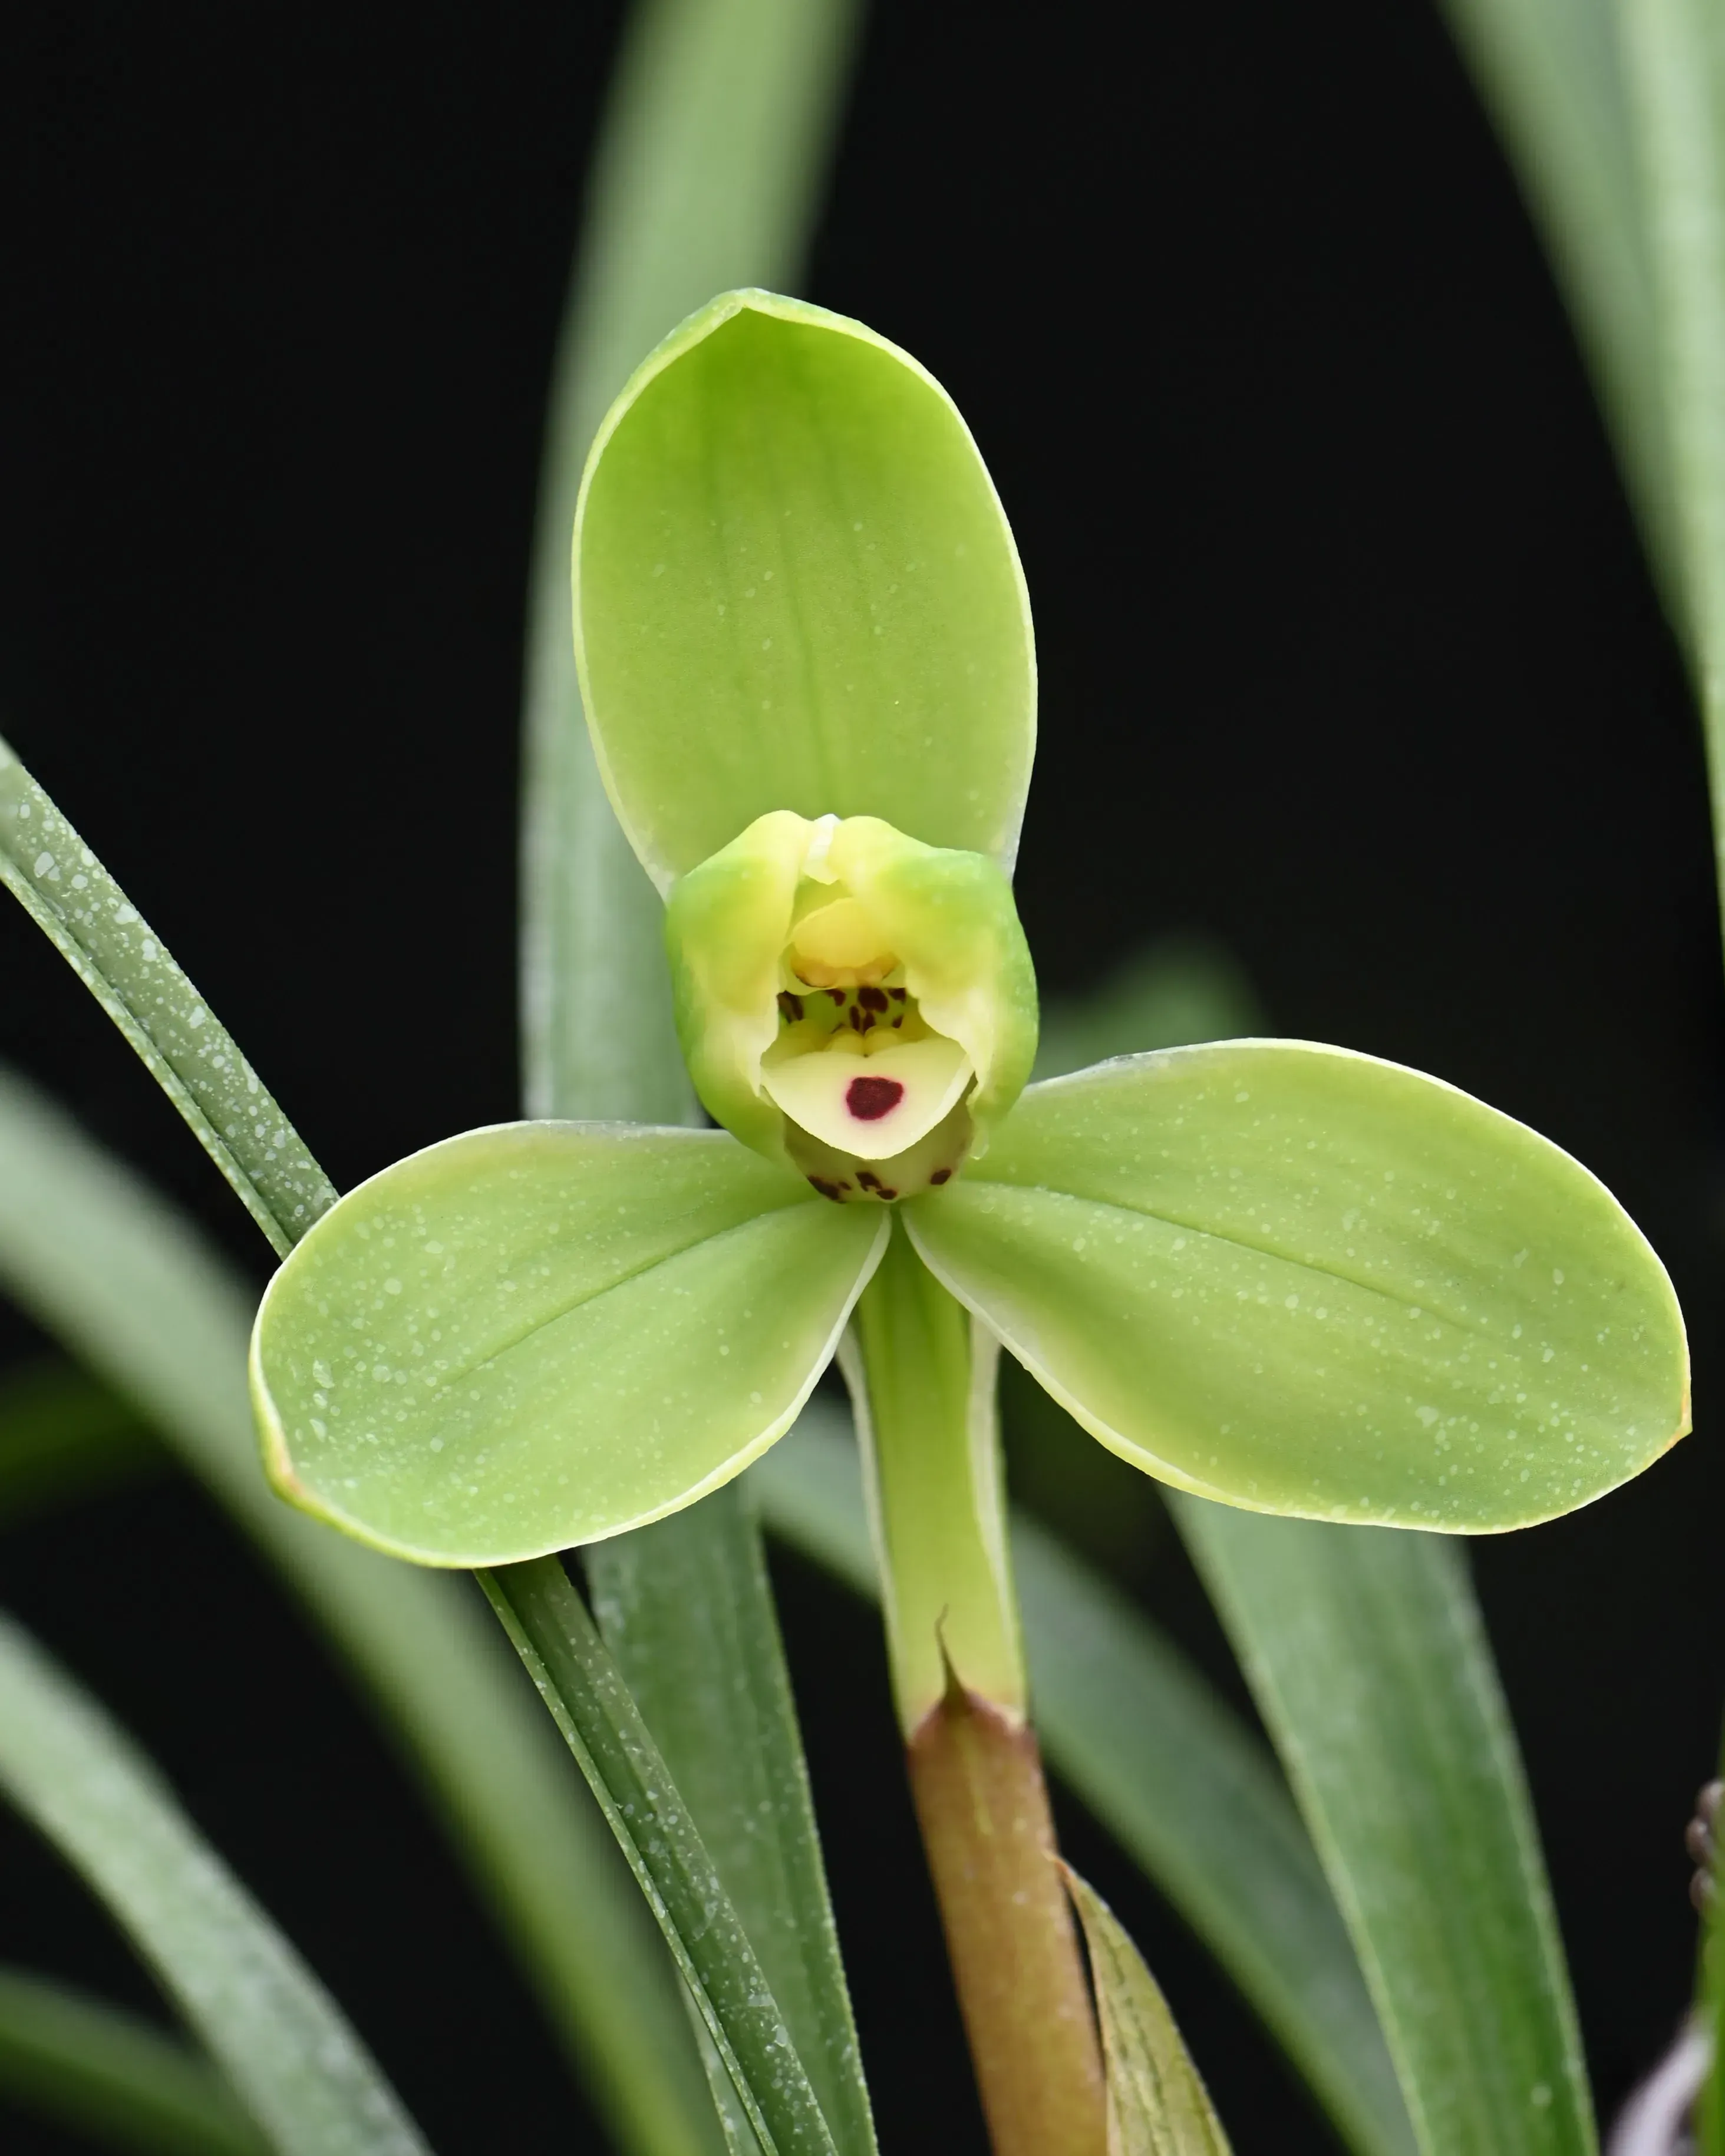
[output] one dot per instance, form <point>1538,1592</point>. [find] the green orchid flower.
<point>1287,1276</point>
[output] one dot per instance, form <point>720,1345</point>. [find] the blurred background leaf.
<point>291,2056</point>
<point>1176,990</point>
<point>1368,1660</point>
<point>113,2077</point>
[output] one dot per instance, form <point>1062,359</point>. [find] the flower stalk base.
<point>976,1776</point>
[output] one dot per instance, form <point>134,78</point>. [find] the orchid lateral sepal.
<point>1307,1281</point>
<point>542,1334</point>
<point>852,1000</point>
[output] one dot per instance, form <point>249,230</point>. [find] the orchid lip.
<point>871,1105</point>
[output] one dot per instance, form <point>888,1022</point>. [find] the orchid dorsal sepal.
<point>795,587</point>
<point>852,1000</point>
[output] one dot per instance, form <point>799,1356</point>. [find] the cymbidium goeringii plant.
<point>1287,1276</point>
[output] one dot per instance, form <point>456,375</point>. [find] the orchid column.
<point>1281,1275</point>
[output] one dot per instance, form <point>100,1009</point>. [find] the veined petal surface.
<point>544,1333</point>
<point>1305,1281</point>
<point>795,587</point>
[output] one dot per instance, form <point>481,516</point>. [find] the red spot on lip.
<point>869,1099</point>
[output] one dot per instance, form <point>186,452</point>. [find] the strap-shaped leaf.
<point>795,588</point>
<point>544,1333</point>
<point>686,1608</point>
<point>1551,73</point>
<point>113,2076</point>
<point>1674,64</point>
<point>190,1054</point>
<point>292,2058</point>
<point>579,1682</point>
<point>1158,2104</point>
<point>1369,1663</point>
<point>1308,1282</point>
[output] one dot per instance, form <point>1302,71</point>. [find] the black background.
<point>1349,660</point>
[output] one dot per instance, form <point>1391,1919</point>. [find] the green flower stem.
<point>922,1377</point>
<point>976,1775</point>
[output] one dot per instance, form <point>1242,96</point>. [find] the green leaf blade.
<point>734,1755</point>
<point>111,2075</point>
<point>545,1333</point>
<point>585,1692</point>
<point>1368,1661</point>
<point>1158,2104</point>
<point>195,1060</point>
<point>1674,66</point>
<point>1304,1281</point>
<point>795,588</point>
<point>1551,73</point>
<point>291,2056</point>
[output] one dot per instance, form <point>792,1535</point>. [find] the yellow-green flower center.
<point>856,1064</point>
<point>843,995</point>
